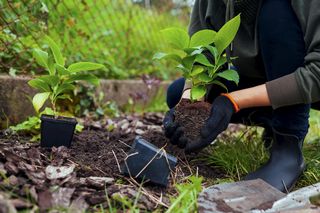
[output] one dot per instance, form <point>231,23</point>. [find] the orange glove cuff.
<point>235,105</point>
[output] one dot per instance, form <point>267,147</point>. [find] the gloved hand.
<point>221,112</point>
<point>172,130</point>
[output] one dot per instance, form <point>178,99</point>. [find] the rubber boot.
<point>267,137</point>
<point>285,164</point>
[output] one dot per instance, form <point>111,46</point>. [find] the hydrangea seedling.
<point>189,53</point>
<point>60,80</point>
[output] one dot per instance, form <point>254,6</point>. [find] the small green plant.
<point>59,83</point>
<point>189,53</point>
<point>60,80</point>
<point>186,201</point>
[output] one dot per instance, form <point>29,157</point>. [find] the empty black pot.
<point>146,161</point>
<point>57,132</point>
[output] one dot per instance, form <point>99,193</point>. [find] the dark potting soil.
<point>95,152</point>
<point>191,116</point>
<point>99,153</point>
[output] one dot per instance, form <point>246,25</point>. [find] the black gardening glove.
<point>172,130</point>
<point>220,116</point>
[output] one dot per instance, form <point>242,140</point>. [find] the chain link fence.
<point>122,34</point>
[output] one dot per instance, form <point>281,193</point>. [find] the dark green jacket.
<point>302,86</point>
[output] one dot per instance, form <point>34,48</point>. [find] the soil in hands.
<point>191,116</point>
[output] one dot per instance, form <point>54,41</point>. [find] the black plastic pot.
<point>147,162</point>
<point>57,132</point>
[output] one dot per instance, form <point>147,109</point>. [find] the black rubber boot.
<point>285,165</point>
<point>267,137</point>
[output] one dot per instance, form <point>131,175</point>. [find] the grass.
<point>241,152</point>
<point>237,153</point>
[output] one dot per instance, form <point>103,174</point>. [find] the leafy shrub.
<point>60,80</point>
<point>194,64</point>
<point>119,34</point>
<point>57,84</point>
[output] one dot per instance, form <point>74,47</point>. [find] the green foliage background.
<point>119,34</point>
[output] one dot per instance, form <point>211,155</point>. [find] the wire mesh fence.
<point>122,34</point>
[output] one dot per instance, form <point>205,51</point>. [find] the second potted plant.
<point>57,84</point>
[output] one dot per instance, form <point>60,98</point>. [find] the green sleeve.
<point>302,86</point>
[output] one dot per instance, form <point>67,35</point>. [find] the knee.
<point>292,120</point>
<point>278,22</point>
<point>174,92</point>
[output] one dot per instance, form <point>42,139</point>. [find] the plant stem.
<point>54,108</point>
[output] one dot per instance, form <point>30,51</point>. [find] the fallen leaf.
<point>44,200</point>
<point>11,167</point>
<point>78,205</point>
<point>37,177</point>
<point>97,198</point>
<point>132,194</point>
<point>35,156</point>
<point>25,166</point>
<point>2,169</point>
<point>55,172</point>
<point>98,182</point>
<point>6,206</point>
<point>20,204</point>
<point>33,192</point>
<point>13,180</point>
<point>62,197</point>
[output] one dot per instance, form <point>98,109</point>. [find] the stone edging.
<point>15,96</point>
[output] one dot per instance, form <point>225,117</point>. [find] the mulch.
<point>81,178</point>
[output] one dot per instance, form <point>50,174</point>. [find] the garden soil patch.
<point>80,177</point>
<point>192,116</point>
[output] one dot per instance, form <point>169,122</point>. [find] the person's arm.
<point>251,97</point>
<point>302,86</point>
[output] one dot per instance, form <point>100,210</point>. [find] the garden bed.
<point>82,176</point>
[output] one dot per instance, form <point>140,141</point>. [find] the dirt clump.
<point>191,116</point>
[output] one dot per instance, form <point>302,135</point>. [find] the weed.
<point>237,154</point>
<point>186,201</point>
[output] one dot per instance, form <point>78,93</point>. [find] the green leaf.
<point>79,128</point>
<point>63,88</point>
<point>198,92</point>
<point>222,61</point>
<point>188,61</point>
<point>55,50</point>
<point>185,71</point>
<point>31,125</point>
<point>196,70</point>
<point>220,84</point>
<point>40,85</point>
<point>197,52</point>
<point>61,69</point>
<point>202,59</point>
<point>84,66</point>
<point>47,111</point>
<point>159,56</point>
<point>176,37</point>
<point>41,57</point>
<point>213,51</point>
<point>202,38</point>
<point>204,77</point>
<point>51,80</point>
<point>51,67</point>
<point>189,50</point>
<point>84,77</point>
<point>39,99</point>
<point>227,33</point>
<point>65,96</point>
<point>230,75</point>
